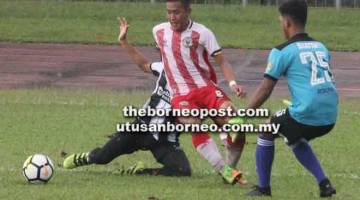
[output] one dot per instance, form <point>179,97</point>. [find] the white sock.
<point>211,153</point>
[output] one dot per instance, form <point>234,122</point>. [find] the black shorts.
<point>146,142</point>
<point>293,131</point>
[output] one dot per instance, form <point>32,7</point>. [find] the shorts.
<point>146,141</point>
<point>293,131</point>
<point>209,97</point>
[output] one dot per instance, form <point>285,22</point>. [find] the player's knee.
<point>184,170</point>
<point>177,163</point>
<point>300,144</point>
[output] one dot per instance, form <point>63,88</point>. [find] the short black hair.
<point>296,10</point>
<point>185,3</point>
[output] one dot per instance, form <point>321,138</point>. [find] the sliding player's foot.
<point>133,170</point>
<point>76,160</point>
<point>231,175</point>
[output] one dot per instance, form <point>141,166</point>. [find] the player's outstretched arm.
<point>229,75</point>
<point>135,54</point>
<point>262,93</point>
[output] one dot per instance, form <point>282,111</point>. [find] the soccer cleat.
<point>76,160</point>
<point>240,181</point>
<point>326,189</point>
<point>257,191</point>
<point>231,175</point>
<point>133,170</point>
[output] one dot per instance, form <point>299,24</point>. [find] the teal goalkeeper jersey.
<point>304,62</point>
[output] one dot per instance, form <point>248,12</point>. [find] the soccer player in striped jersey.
<point>185,48</point>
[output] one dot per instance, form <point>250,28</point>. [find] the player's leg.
<point>203,143</point>
<point>169,154</point>
<point>305,155</point>
<point>121,143</point>
<point>234,146</point>
<point>212,97</point>
<point>208,149</point>
<point>217,99</point>
<point>264,156</point>
<point>293,133</point>
<point>173,159</point>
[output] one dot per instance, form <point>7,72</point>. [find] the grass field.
<point>95,22</point>
<point>50,120</point>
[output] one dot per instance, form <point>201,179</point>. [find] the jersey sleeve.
<point>328,55</point>
<point>154,31</point>
<point>157,68</point>
<point>210,43</point>
<point>275,67</point>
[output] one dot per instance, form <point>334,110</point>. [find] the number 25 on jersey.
<point>320,72</point>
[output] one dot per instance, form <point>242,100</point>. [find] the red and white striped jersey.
<point>185,56</point>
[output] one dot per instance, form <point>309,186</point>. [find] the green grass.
<point>49,121</point>
<point>95,22</point>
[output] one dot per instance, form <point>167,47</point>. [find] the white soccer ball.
<point>38,168</point>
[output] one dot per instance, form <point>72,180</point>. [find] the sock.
<point>234,149</point>
<point>264,159</point>
<point>307,158</point>
<point>208,150</point>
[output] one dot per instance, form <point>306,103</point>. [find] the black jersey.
<point>160,99</point>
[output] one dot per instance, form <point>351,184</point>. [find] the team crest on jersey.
<point>269,66</point>
<point>187,42</point>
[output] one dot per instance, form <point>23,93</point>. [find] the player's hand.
<point>238,90</point>
<point>123,26</point>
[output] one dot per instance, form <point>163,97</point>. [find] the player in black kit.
<point>165,147</point>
